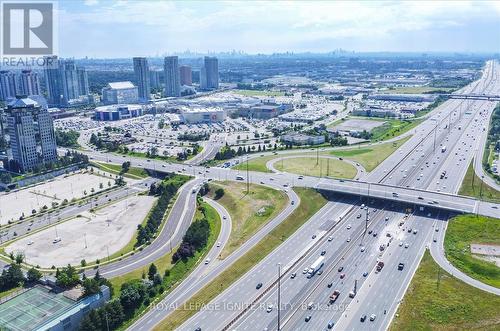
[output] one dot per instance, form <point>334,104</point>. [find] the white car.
<point>349,227</point>
<point>330,238</point>
<point>218,244</point>
<point>400,243</point>
<point>363,248</point>
<point>207,261</point>
<point>407,245</point>
<point>348,239</point>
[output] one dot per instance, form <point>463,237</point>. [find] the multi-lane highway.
<point>423,153</point>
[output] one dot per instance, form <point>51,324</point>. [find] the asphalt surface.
<point>382,295</point>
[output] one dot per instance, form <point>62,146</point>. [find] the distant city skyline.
<point>114,29</point>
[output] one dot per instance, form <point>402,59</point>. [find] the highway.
<point>407,172</point>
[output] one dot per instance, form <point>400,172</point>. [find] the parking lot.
<point>76,185</point>
<point>91,236</point>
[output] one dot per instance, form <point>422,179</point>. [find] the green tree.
<point>33,275</point>
<point>153,270</point>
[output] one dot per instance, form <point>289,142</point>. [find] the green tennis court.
<point>27,310</point>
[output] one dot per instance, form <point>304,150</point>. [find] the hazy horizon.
<point>119,29</point>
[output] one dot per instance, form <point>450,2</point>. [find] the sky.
<point>113,29</point>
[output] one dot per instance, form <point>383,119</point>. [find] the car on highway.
<point>308,318</point>
<point>330,325</point>
<point>342,276</point>
<point>293,275</point>
<point>401,266</point>
<point>373,317</point>
<point>374,234</point>
<point>197,329</point>
<point>270,308</point>
<point>218,244</point>
<point>305,271</point>
<point>323,252</point>
<point>313,236</point>
<point>348,226</point>
<point>348,239</point>
<point>363,249</point>
<point>340,269</point>
<point>329,285</point>
<point>363,318</point>
<point>415,231</point>
<point>259,285</point>
<point>310,305</point>
<point>400,243</point>
<point>207,261</point>
<point>330,238</point>
<point>365,273</point>
<point>407,245</point>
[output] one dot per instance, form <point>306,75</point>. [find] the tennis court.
<point>27,310</point>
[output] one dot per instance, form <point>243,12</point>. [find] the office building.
<point>8,86</point>
<point>141,70</point>
<point>300,139</point>
<point>83,81</point>
<point>172,76</point>
<point>31,134</point>
<point>154,79</point>
<point>120,92</point>
<point>209,74</point>
<point>29,82</point>
<point>186,75</point>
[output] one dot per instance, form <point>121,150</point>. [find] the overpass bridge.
<point>474,96</point>
<point>420,198</point>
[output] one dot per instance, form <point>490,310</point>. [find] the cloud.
<point>276,25</point>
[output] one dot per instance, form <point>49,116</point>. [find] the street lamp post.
<point>279,295</point>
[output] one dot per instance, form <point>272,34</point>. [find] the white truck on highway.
<point>318,264</point>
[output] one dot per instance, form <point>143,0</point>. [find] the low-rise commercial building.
<point>264,111</point>
<point>202,115</point>
<point>300,139</point>
<point>117,112</point>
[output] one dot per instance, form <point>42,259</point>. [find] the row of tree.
<point>166,190</point>
<point>194,240</point>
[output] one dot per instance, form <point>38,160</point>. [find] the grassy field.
<point>133,173</point>
<point>465,230</point>
<point>311,202</point>
<point>181,268</point>
<point>309,166</point>
<point>417,90</point>
<point>447,305</point>
<point>249,212</point>
<point>393,128</point>
<point>471,186</point>
<point>256,164</point>
<point>251,93</point>
<point>370,156</point>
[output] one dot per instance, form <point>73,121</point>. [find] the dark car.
<point>340,269</point>
<point>330,324</point>
<point>329,285</point>
<point>323,252</point>
<point>258,286</point>
<point>363,318</point>
<point>401,266</point>
<point>308,318</point>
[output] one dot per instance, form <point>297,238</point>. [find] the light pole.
<point>279,295</point>
<point>481,187</point>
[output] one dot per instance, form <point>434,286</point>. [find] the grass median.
<point>312,166</point>
<point>116,169</point>
<point>370,156</point>
<point>310,202</point>
<point>473,186</point>
<point>435,300</point>
<point>464,230</point>
<point>249,211</point>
